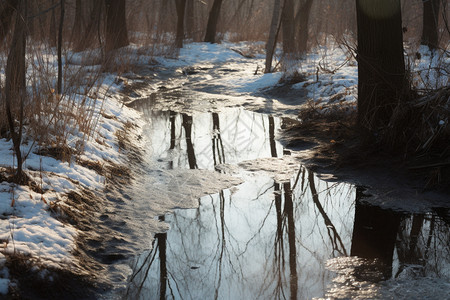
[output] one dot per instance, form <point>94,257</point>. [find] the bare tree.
<point>15,86</point>
<point>181,8</point>
<point>79,24</point>
<point>287,26</point>
<point>116,34</point>
<point>93,27</point>
<point>430,23</point>
<point>273,35</point>
<point>301,21</point>
<point>52,29</point>
<point>60,38</point>
<point>210,36</point>
<point>190,18</point>
<point>382,81</point>
<point>6,13</point>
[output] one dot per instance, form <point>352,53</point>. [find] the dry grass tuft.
<point>422,125</point>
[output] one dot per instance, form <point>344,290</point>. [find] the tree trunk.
<point>190,18</point>
<point>210,36</point>
<point>8,9</point>
<point>79,24</point>
<point>301,21</point>
<point>288,30</point>
<point>430,23</point>
<point>273,35</point>
<point>287,24</point>
<point>88,36</point>
<point>382,80</point>
<point>181,8</point>
<point>15,85</point>
<point>52,29</point>
<point>116,34</point>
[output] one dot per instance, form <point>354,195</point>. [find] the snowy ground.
<point>27,225</point>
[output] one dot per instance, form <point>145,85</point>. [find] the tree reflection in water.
<point>271,240</point>
<point>266,240</point>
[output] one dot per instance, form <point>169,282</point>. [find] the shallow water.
<point>299,237</point>
<point>298,240</point>
<point>253,223</point>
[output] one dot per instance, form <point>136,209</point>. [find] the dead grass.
<point>33,280</point>
<point>417,140</point>
<point>422,125</point>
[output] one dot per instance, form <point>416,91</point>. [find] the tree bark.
<point>116,34</point>
<point>210,36</point>
<point>15,85</point>
<point>181,8</point>
<point>301,21</point>
<point>93,26</point>
<point>52,29</point>
<point>287,25</point>
<point>60,37</point>
<point>382,80</point>
<point>190,18</point>
<point>79,24</point>
<point>430,23</point>
<point>8,9</point>
<point>273,35</point>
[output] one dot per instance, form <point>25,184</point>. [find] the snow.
<point>27,225</point>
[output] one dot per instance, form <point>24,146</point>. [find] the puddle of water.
<point>301,238</point>
<point>203,140</point>
<point>296,239</point>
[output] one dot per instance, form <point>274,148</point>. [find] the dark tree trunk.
<point>301,21</point>
<point>181,8</point>
<point>273,35</point>
<point>93,27</point>
<point>190,18</point>
<point>60,37</point>
<point>8,9</point>
<point>430,23</point>
<point>52,29</point>
<point>79,24</point>
<point>210,36</point>
<point>116,34</point>
<point>287,25</point>
<point>382,80</point>
<point>15,85</point>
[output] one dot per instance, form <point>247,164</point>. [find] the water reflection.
<point>272,240</point>
<point>203,140</point>
<point>266,239</point>
<point>374,236</point>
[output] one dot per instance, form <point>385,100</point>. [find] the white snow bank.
<point>27,226</point>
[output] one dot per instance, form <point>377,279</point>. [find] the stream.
<point>221,210</point>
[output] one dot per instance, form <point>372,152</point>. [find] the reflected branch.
<point>335,238</point>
